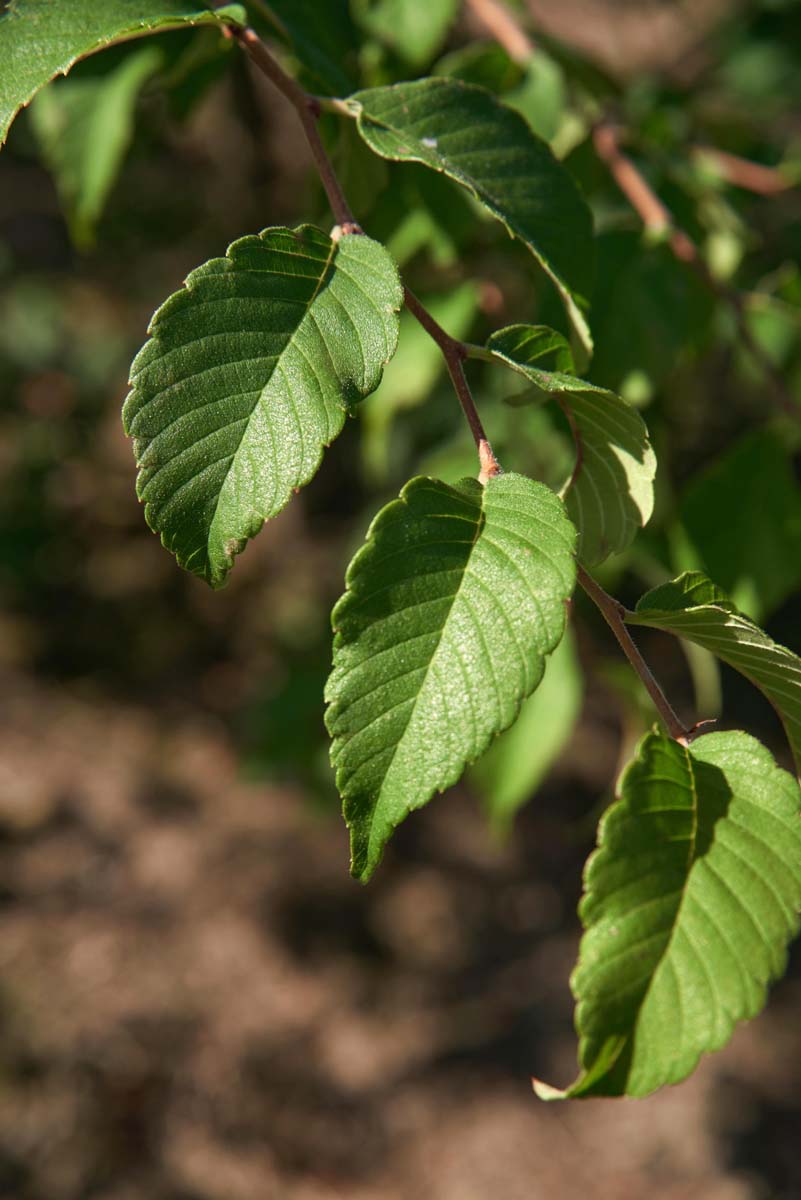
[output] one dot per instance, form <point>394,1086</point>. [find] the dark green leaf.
<point>610,494</point>
<point>696,609</point>
<point>689,903</point>
<point>322,36</point>
<point>248,374</point>
<point>40,39</point>
<point>469,135</point>
<point>743,518</point>
<point>452,605</point>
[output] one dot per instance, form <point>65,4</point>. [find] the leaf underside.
<point>40,39</point>
<point>248,375</point>
<point>693,608</point>
<point>689,903</point>
<point>610,495</point>
<point>452,605</point>
<point>469,135</point>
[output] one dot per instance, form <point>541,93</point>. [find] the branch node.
<point>489,463</point>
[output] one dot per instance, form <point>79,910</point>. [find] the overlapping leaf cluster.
<point>459,595</point>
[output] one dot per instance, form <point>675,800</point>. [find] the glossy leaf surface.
<point>468,134</point>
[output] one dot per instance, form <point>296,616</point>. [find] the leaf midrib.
<point>480,522</point>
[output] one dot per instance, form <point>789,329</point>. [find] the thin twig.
<point>613,613</point>
<point>504,27</point>
<point>742,173</point>
<point>308,109</point>
<point>454,352</point>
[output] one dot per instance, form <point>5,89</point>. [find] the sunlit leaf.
<point>452,605</point>
<point>610,494</point>
<point>516,762</point>
<point>248,375</point>
<point>40,39</point>
<point>696,609</point>
<point>689,903</point>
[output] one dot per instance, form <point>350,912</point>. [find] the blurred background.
<point>196,1002</point>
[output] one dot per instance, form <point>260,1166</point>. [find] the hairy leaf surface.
<point>40,39</point>
<point>695,609</point>
<point>451,607</point>
<point>689,903</point>
<point>611,492</point>
<point>471,136</point>
<point>249,372</point>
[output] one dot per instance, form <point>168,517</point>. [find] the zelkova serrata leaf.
<point>469,135</point>
<point>689,903</point>
<point>693,608</point>
<point>610,494</point>
<point>452,605</point>
<point>40,39</point>
<point>248,375</point>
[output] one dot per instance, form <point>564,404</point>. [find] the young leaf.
<point>40,39</point>
<point>610,494</point>
<point>516,763</point>
<point>451,607</point>
<point>695,609</point>
<point>248,374</point>
<point>413,30</point>
<point>689,903</point>
<point>471,136</point>
<point>84,127</point>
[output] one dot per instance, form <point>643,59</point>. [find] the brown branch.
<point>742,173</point>
<point>614,613</point>
<point>454,353</point>
<point>656,217</point>
<point>308,109</point>
<point>504,27</point>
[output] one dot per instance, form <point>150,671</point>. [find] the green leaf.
<point>452,605</point>
<point>693,608</point>
<point>474,139</point>
<point>413,30</point>
<point>40,39</point>
<point>322,36</point>
<point>610,494</point>
<point>84,127</point>
<point>517,762</point>
<point>689,903</point>
<point>650,311</point>
<point>249,372</point>
<point>743,518</point>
